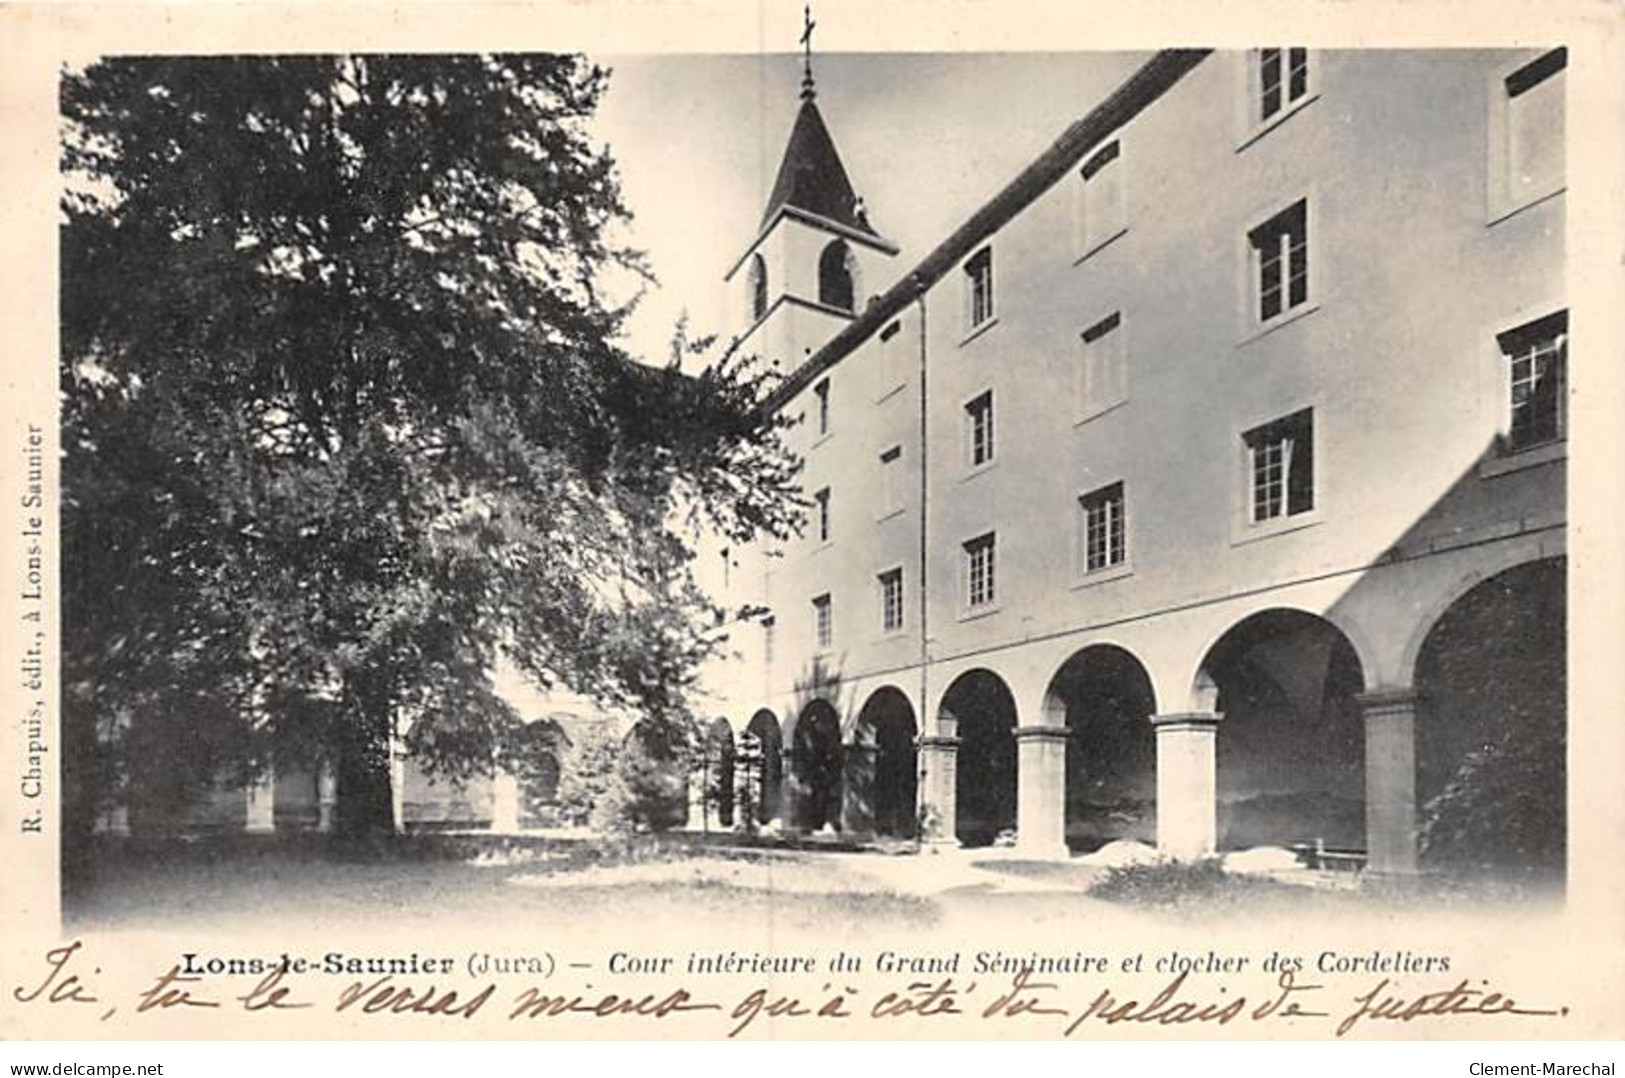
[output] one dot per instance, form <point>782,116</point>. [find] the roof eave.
<point>871,240</point>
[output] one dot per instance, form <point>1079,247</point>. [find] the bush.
<point>655,763</point>
<point>1181,883</point>
<point>639,782</point>
<point>592,793</point>
<point>1505,804</point>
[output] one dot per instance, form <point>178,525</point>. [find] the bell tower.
<point>816,259</point>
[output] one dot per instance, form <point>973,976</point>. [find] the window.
<point>893,360</point>
<point>836,275</point>
<point>1280,248</point>
<point>891,481</point>
<point>979,430</point>
<point>1527,132</point>
<point>758,286</point>
<point>979,287</point>
<point>1536,355</point>
<point>979,581</point>
<point>1104,535</point>
<point>891,600</point>
<point>769,631</point>
<point>822,500</point>
<point>1281,463</point>
<point>1103,372</point>
<point>823,622</point>
<point>821,392</point>
<point>1282,81</point>
<point>1102,206</point>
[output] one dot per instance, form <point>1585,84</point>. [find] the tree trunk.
<point>365,795</point>
<point>85,782</point>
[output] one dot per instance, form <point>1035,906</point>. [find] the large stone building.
<point>1205,487</point>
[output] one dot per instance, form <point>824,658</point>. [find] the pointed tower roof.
<point>812,183</point>
<point>812,179</point>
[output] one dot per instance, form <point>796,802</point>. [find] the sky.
<point>926,138</point>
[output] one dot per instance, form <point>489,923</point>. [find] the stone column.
<point>1187,783</point>
<point>939,777</point>
<point>699,805</point>
<point>327,796</point>
<point>1041,791</point>
<point>858,789</point>
<point>792,792</point>
<point>504,801</point>
<point>745,778</point>
<point>260,817</point>
<point>397,787</point>
<point>1390,780</point>
<point>113,817</point>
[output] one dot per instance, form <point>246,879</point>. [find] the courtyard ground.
<point>223,884</point>
<point>238,882</point>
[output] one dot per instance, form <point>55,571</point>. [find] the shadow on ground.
<point>228,883</point>
<point>689,883</point>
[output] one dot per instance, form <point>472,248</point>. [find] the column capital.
<point>1187,720</point>
<point>1043,733</point>
<point>1387,701</point>
<point>938,741</point>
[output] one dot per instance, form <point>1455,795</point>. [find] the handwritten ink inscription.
<point>66,978</point>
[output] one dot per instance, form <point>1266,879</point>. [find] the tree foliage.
<point>592,789</point>
<point>1493,734</point>
<point>345,415</point>
<point>1504,804</point>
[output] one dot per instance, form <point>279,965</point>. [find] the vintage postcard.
<point>812,521</point>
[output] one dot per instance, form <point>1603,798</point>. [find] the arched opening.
<point>536,756</point>
<point>655,768</point>
<point>1492,723</point>
<point>718,773</point>
<point>985,787</point>
<point>817,753</point>
<point>1103,695</point>
<point>201,789</point>
<point>881,767</point>
<point>757,282</point>
<point>1291,746</point>
<point>761,758</point>
<point>837,276</point>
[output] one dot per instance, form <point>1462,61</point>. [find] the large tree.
<point>346,420</point>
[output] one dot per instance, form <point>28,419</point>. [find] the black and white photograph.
<point>1058,536</point>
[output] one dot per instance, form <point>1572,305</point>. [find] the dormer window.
<point>836,274</point>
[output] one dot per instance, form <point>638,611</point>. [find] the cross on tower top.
<point>807,91</point>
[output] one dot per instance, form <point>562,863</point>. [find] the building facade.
<point>1205,488</point>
